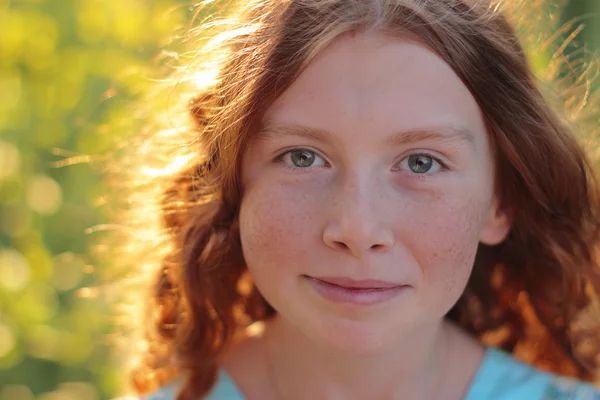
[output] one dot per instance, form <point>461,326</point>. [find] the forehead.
<point>378,83</point>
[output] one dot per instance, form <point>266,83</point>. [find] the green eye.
<point>420,164</point>
<point>302,158</point>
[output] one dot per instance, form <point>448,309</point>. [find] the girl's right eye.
<point>301,158</point>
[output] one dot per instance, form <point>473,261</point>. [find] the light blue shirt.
<point>500,377</point>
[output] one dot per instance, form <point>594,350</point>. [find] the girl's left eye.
<point>302,158</point>
<point>420,164</point>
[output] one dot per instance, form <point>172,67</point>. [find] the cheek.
<point>277,225</point>
<point>445,244</point>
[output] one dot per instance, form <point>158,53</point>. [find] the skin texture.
<point>359,211</point>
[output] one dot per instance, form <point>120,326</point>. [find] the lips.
<point>357,292</point>
<point>349,283</point>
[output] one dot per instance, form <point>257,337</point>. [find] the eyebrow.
<point>444,133</point>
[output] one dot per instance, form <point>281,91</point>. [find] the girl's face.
<point>374,165</point>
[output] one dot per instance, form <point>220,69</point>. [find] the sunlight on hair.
<point>167,133</point>
<point>256,328</point>
<point>176,165</point>
<point>203,79</point>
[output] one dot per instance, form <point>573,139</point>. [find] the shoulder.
<point>167,392</point>
<point>560,387</point>
<point>503,377</point>
<point>224,389</point>
<point>233,377</point>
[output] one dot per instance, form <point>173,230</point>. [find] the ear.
<point>497,225</point>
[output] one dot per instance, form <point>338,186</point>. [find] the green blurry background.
<point>69,70</point>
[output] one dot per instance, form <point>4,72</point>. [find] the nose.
<point>358,224</point>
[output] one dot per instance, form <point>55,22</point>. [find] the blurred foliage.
<point>69,69</point>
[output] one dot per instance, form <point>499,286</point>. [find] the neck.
<point>412,369</point>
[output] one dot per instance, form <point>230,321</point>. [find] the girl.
<point>374,201</point>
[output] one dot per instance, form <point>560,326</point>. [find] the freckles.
<point>277,226</point>
<point>265,225</point>
<point>463,215</point>
<point>448,250</point>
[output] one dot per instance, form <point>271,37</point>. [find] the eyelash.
<point>279,158</point>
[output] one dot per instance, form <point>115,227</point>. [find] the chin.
<point>357,337</point>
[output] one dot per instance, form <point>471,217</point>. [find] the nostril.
<point>341,245</point>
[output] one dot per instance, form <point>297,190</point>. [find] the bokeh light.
<point>44,195</point>
<point>10,160</point>
<point>7,340</point>
<point>16,392</point>
<point>10,87</point>
<point>68,271</point>
<point>14,270</point>
<point>69,69</point>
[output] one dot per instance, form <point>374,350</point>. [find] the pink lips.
<point>362,292</point>
<point>362,284</point>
